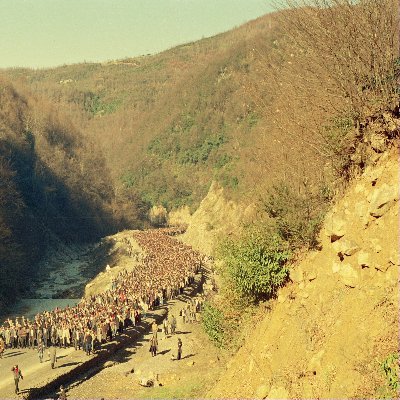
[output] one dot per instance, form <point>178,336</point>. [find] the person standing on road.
<point>154,328</point>
<point>179,349</point>
<point>2,347</point>
<point>53,356</point>
<point>88,342</point>
<point>173,325</point>
<point>17,375</point>
<point>153,346</point>
<point>40,350</point>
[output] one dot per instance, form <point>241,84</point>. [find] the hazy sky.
<point>42,33</point>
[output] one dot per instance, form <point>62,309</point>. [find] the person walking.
<point>179,349</point>
<point>154,328</point>
<point>40,350</point>
<point>2,347</point>
<point>53,356</point>
<point>153,346</point>
<point>88,342</point>
<point>17,376</point>
<point>173,324</point>
<point>166,327</point>
<point>62,394</point>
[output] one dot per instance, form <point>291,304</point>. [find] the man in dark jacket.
<point>179,349</point>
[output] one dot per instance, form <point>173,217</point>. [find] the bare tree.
<point>332,70</point>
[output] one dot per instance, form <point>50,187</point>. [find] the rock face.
<point>348,275</point>
<point>382,199</point>
<point>216,217</point>
<point>335,227</point>
<point>339,315</point>
<point>345,247</point>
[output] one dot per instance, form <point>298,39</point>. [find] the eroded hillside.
<point>331,329</point>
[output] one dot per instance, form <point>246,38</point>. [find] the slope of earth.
<point>215,217</point>
<point>331,328</point>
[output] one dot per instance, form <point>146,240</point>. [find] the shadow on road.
<point>188,356</point>
<point>15,353</point>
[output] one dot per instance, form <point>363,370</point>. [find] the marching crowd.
<point>166,269</point>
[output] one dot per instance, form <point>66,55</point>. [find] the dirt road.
<point>35,373</point>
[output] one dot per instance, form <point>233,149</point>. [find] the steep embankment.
<point>216,217</point>
<point>332,327</point>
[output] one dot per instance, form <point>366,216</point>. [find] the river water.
<point>60,281</point>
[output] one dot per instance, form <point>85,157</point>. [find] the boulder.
<point>262,391</point>
<point>312,275</point>
<point>348,275</point>
<point>109,364</point>
<point>363,259</point>
<point>345,247</point>
<point>361,209</point>
<point>375,245</point>
<point>378,142</point>
<point>394,258</point>
<point>336,267</point>
<point>382,199</point>
<point>278,393</point>
<point>281,298</point>
<point>335,228</point>
<point>392,124</point>
<point>314,364</point>
<point>359,188</point>
<point>382,267</point>
<point>297,275</point>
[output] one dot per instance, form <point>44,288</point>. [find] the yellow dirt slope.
<point>333,325</point>
<point>216,217</point>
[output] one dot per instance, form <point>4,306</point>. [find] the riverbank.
<point>60,279</point>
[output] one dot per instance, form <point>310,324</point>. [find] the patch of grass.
<point>213,324</point>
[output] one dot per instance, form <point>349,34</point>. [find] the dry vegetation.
<point>51,182</point>
<point>171,123</point>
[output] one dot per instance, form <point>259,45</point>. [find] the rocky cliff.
<point>216,217</point>
<point>332,327</point>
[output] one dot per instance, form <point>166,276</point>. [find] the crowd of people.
<point>167,267</point>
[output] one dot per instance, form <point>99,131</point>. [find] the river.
<point>60,280</point>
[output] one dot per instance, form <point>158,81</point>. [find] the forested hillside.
<point>171,123</point>
<point>52,182</point>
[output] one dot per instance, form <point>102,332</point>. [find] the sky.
<point>48,33</point>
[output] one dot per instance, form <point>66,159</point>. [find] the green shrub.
<point>93,104</point>
<point>201,151</point>
<point>227,181</point>
<point>256,264</point>
<point>213,324</point>
<point>222,161</point>
<point>390,367</point>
